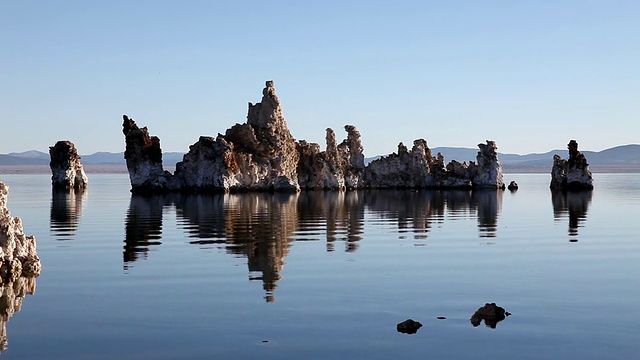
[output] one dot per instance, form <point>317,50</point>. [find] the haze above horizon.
<point>529,75</point>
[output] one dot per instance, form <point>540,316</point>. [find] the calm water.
<point>329,275</point>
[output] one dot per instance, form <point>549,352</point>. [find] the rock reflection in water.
<point>488,203</point>
<point>66,210</point>
<point>260,226</point>
<point>416,211</point>
<point>574,204</point>
<point>143,227</point>
<point>339,215</point>
<point>12,293</point>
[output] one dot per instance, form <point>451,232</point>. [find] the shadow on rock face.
<point>492,314</point>
<point>408,326</point>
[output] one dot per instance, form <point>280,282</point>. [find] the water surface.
<point>328,275</point>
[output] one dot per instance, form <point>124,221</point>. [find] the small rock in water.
<point>409,326</point>
<point>491,313</point>
<point>513,185</point>
<point>441,318</point>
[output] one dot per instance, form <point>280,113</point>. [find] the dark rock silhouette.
<point>513,186</point>
<point>491,314</point>
<point>572,174</point>
<point>262,155</point>
<point>66,168</point>
<point>408,326</point>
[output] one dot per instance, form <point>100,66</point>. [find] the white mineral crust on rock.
<point>66,169</point>
<point>17,251</point>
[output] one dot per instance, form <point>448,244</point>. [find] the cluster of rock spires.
<point>572,174</point>
<point>263,155</point>
<point>66,168</point>
<point>17,251</point>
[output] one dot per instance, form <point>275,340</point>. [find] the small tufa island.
<point>262,155</point>
<point>66,168</point>
<point>572,174</point>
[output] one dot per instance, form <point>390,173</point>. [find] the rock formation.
<point>66,168</point>
<point>144,159</point>
<point>513,186</point>
<point>17,251</point>
<point>408,326</point>
<point>572,174</point>
<point>488,172</point>
<point>262,155</point>
<point>258,155</point>
<point>403,169</point>
<point>339,167</point>
<point>418,169</point>
<point>491,314</point>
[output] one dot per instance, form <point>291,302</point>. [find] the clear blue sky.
<point>530,75</point>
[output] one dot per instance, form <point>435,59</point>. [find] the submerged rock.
<point>408,326</point>
<point>262,155</point>
<point>491,314</point>
<point>17,251</point>
<point>572,174</point>
<point>66,168</point>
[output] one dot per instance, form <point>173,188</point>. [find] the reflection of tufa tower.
<point>258,226</point>
<point>143,227</point>
<point>11,295</point>
<point>574,204</point>
<point>261,229</point>
<point>66,210</point>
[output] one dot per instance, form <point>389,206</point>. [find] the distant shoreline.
<point>122,169</point>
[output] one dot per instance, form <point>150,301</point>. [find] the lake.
<point>328,275</point>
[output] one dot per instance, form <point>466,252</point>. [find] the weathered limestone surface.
<point>488,173</point>
<point>418,169</point>
<point>262,155</point>
<point>66,168</point>
<point>144,160</point>
<point>17,251</point>
<point>403,169</point>
<point>572,174</point>
<point>339,167</point>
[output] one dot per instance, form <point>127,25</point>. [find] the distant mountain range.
<point>625,158</point>
<point>34,157</point>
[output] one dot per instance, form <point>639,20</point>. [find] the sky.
<point>530,75</point>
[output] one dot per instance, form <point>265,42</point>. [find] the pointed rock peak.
<point>573,149</point>
<point>266,113</point>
